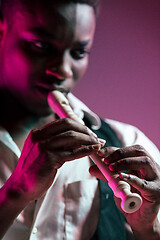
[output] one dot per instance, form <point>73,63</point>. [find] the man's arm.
<point>11,204</point>
<point>44,152</point>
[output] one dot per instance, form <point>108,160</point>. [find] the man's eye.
<point>79,53</point>
<point>40,45</point>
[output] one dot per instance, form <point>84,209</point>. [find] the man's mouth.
<point>47,88</point>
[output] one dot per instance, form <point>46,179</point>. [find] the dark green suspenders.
<point>111,221</point>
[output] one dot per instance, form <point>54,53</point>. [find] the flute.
<point>130,202</point>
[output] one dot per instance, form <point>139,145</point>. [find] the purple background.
<point>123,78</point>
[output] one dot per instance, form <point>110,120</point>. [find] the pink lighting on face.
<point>54,73</point>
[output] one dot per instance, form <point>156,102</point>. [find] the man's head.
<point>8,7</point>
<point>44,46</point>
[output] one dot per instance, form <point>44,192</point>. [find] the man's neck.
<point>17,120</point>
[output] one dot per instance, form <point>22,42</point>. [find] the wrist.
<point>13,192</point>
<point>152,232</point>
<point>12,202</point>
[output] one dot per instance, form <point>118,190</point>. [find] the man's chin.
<point>43,113</point>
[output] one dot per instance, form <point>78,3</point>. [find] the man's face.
<point>44,49</point>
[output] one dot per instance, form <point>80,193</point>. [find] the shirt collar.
<point>8,141</point>
<point>80,108</point>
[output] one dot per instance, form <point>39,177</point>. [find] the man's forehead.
<point>58,22</point>
<point>48,11</point>
<point>44,6</point>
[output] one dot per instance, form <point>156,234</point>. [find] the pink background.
<point>123,79</point>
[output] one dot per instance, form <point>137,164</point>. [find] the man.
<point>43,47</point>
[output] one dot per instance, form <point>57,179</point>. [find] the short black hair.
<point>8,6</point>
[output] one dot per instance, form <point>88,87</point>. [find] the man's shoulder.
<point>127,133</point>
<point>131,135</point>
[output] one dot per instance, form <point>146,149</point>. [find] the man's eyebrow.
<point>41,32</point>
<point>82,43</point>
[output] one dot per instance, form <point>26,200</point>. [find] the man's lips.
<point>48,88</point>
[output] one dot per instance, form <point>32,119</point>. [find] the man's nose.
<point>62,69</point>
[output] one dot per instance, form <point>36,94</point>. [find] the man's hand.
<point>45,151</point>
<point>143,174</point>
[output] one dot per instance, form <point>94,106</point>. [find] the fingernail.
<point>112,167</point>
<point>101,140</point>
<point>123,176</point>
<point>100,154</point>
<point>96,147</point>
<point>106,161</point>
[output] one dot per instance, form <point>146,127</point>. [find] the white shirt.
<point>70,208</point>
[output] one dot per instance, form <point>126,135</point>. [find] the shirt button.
<point>34,231</point>
<point>107,196</point>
